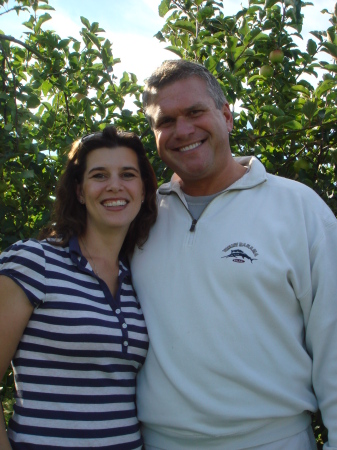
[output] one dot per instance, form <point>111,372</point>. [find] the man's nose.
<point>184,127</point>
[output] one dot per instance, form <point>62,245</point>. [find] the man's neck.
<point>203,187</point>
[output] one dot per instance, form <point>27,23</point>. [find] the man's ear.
<point>228,116</point>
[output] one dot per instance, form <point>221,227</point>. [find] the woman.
<point>69,318</point>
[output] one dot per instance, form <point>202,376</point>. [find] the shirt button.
<point>124,325</point>
<point>118,311</point>
<point>125,343</point>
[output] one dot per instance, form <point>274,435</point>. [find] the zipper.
<point>194,221</point>
<point>193,225</point>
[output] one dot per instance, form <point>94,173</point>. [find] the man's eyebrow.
<point>193,107</point>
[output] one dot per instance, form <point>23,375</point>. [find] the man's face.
<point>192,135</point>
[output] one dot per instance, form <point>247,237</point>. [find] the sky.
<point>131,24</point>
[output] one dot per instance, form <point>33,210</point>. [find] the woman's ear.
<point>79,194</point>
<point>143,193</point>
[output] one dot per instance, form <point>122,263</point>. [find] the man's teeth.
<point>189,147</point>
<point>115,203</point>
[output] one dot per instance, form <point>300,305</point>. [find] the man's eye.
<point>164,122</point>
<point>195,112</point>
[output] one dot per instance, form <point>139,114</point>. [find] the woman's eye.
<point>99,175</point>
<point>128,175</point>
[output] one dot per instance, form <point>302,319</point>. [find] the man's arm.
<point>321,333</point>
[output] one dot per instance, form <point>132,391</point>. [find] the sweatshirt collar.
<point>256,175</point>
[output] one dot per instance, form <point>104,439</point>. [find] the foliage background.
<point>55,90</point>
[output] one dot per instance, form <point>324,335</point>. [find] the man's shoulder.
<point>303,196</point>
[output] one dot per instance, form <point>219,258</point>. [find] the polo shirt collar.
<point>79,260</point>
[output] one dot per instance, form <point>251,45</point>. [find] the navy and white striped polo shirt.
<point>75,367</point>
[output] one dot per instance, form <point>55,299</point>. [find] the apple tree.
<point>283,97</point>
<point>53,91</point>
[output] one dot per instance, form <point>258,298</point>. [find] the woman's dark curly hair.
<point>69,215</point>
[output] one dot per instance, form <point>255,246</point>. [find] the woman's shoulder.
<point>27,253</point>
<point>29,246</point>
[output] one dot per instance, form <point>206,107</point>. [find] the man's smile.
<point>190,146</point>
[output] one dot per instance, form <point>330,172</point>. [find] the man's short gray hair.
<point>179,69</point>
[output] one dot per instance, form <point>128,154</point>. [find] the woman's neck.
<point>102,253</point>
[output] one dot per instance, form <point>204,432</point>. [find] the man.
<point>238,287</point>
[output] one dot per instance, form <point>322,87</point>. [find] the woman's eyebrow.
<point>123,168</point>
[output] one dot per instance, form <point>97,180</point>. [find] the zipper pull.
<point>193,224</point>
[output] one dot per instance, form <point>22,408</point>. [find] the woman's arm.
<point>15,312</point>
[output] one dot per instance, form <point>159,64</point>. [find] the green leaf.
<point>160,36</point>
<point>271,3</point>
<point>252,9</point>
<point>46,7</point>
<point>300,88</point>
<point>164,7</point>
<point>28,174</point>
<point>46,86</point>
<point>244,29</point>
<point>331,67</point>
<point>63,43</point>
<point>205,13</point>
<point>177,50</point>
<point>211,63</point>
<point>317,35</point>
<point>42,19</point>
<point>311,47</point>
<point>210,40</point>
<point>185,25</point>
<point>233,81</point>
<point>85,22</point>
<point>281,121</point>
<point>261,36</point>
<point>293,125</point>
<point>77,46</point>
<point>125,78</point>
<point>274,110</point>
<point>324,87</point>
<point>95,39</point>
<point>232,42</point>
<point>309,108</point>
<point>254,78</point>
<point>30,23</point>
<point>33,101</point>
<point>330,48</point>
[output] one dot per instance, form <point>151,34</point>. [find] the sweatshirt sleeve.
<point>25,263</point>
<point>321,333</point>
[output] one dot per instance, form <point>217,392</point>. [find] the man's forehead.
<point>172,95</point>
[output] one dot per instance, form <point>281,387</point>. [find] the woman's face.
<point>112,188</point>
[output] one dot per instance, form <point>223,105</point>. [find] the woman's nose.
<point>114,184</point>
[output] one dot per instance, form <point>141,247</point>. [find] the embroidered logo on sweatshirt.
<point>240,256</point>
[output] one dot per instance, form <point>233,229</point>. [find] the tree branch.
<point>4,37</point>
<point>8,10</point>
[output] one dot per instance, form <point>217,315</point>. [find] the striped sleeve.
<point>25,263</point>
